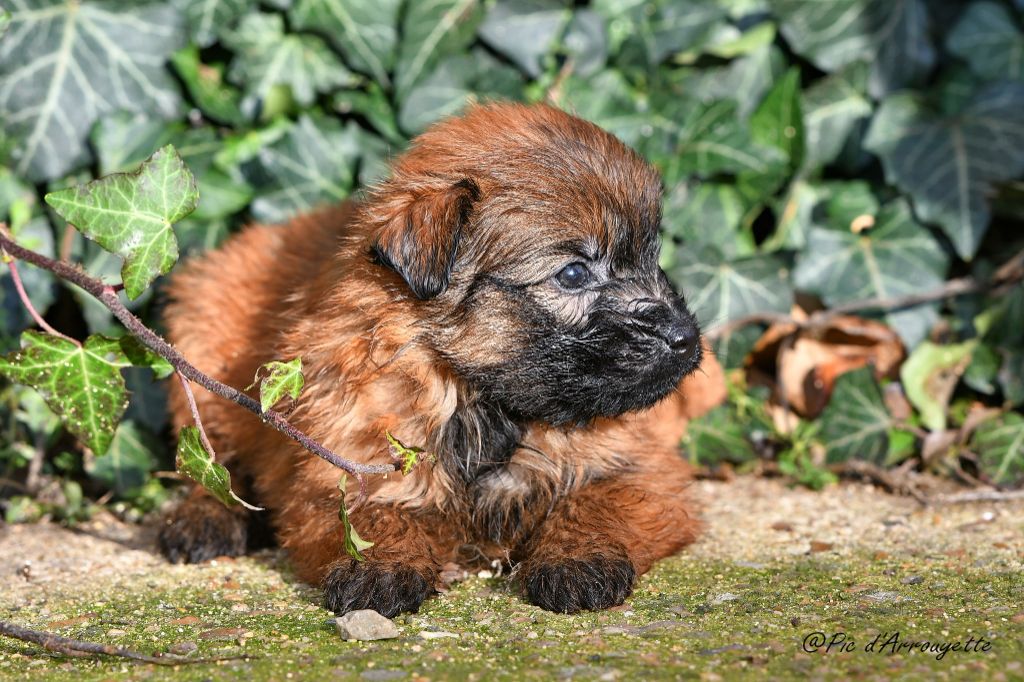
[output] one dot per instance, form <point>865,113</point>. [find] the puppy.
<point>497,301</point>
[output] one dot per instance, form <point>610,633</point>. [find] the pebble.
<point>912,580</point>
<point>723,597</point>
<point>365,625</point>
<point>427,634</point>
<point>183,648</point>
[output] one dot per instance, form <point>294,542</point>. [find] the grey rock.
<point>365,625</point>
<point>912,580</point>
<point>724,597</point>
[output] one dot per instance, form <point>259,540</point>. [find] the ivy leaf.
<point>81,384</point>
<point>431,31</point>
<point>312,164</point>
<point>206,85</point>
<point>892,35</point>
<point>778,122</point>
<point>949,165</point>
<point>267,57</point>
<point>718,290</point>
<point>130,214</point>
<point>364,31</point>
<point>280,379</point>
<point>699,212</point>
<point>648,32</point>
<point>929,376</point>
<point>855,425</point>
<point>833,107</point>
<point>987,38</point>
<point>895,258</point>
<point>354,544</point>
<point>64,64</point>
<point>194,461</point>
<point>126,465</point>
<point>524,31</point>
<point>207,18</point>
<point>410,455</point>
<point>1000,446</point>
<point>717,437</point>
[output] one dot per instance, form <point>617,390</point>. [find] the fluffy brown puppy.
<point>498,301</point>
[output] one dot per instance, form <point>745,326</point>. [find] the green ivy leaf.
<point>206,85</point>
<point>193,460</point>
<point>126,465</point>
<point>707,213</point>
<point>833,108</point>
<point>364,31</point>
<point>894,258</point>
<point>311,165</point>
<point>81,384</point>
<point>717,437</point>
<point>778,122</point>
<point>354,544</point>
<point>892,35</point>
<point>207,18</point>
<point>277,379</point>
<point>524,30</point>
<point>718,290</point>
<point>431,31</point>
<point>1000,446</point>
<point>65,63</point>
<point>987,37</point>
<point>410,455</point>
<point>949,165</point>
<point>648,32</point>
<point>929,376</point>
<point>855,425</point>
<point>267,57</point>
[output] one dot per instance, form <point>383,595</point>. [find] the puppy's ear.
<point>420,231</point>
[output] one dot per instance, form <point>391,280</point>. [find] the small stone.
<point>427,634</point>
<point>723,597</point>
<point>882,596</point>
<point>183,648</point>
<point>115,632</point>
<point>912,580</point>
<point>365,625</point>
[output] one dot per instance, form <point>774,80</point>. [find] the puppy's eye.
<point>573,276</point>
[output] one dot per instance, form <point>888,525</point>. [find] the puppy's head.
<point>530,238</point>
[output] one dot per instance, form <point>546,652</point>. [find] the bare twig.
<point>1009,273</point>
<point>75,647</point>
<point>191,398</point>
<point>107,295</point>
<point>879,476</point>
<point>27,302</point>
<point>978,496</point>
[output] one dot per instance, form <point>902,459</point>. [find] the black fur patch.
<point>191,535</point>
<point>388,590</point>
<point>478,439</point>
<point>575,585</point>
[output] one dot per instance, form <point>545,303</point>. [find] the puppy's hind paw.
<point>388,589</point>
<point>586,584</point>
<point>201,529</point>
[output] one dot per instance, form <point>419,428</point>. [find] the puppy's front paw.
<point>569,585</point>
<point>388,589</point>
<point>200,529</point>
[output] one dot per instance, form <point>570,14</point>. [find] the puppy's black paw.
<point>571,585</point>
<point>200,529</point>
<point>388,589</point>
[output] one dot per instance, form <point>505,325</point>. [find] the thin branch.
<point>194,409</point>
<point>1011,272</point>
<point>979,496</point>
<point>27,302</point>
<point>107,295</point>
<point>75,647</point>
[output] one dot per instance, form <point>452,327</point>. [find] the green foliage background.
<point>775,126</point>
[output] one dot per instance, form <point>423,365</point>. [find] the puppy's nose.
<point>681,336</point>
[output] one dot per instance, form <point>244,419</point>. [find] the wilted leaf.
<point>892,35</point>
<point>988,38</point>
<point>364,31</point>
<point>718,290</point>
<point>267,57</point>
<point>354,544</point>
<point>949,165</point>
<point>311,165</point>
<point>929,376</point>
<point>83,385</point>
<point>65,63</point>
<point>1000,447</point>
<point>194,461</point>
<point>524,30</point>
<point>855,424</point>
<point>717,437</point>
<point>208,18</point>
<point>432,30</point>
<point>126,465</point>
<point>409,455</point>
<point>277,379</point>
<point>131,214</point>
<point>896,257</point>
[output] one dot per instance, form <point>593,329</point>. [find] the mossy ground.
<point>694,617</point>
